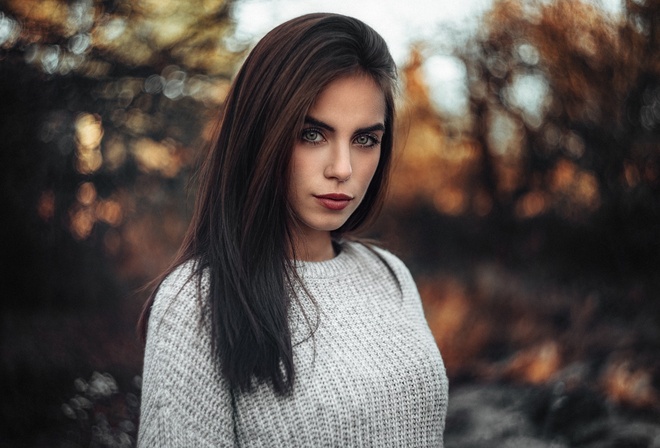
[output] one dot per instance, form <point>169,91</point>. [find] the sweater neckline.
<point>338,265</point>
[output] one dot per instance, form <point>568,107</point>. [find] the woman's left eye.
<point>366,140</point>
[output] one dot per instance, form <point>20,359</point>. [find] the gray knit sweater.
<point>371,375</point>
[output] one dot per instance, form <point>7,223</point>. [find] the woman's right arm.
<point>185,400</point>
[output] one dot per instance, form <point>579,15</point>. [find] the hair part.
<point>242,226</point>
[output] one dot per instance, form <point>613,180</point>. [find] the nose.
<point>339,163</point>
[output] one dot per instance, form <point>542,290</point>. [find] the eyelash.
<point>374,140</point>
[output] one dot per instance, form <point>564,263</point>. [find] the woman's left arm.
<point>185,399</point>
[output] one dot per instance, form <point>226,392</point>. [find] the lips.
<point>334,201</point>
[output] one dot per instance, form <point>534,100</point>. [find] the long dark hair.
<point>241,229</point>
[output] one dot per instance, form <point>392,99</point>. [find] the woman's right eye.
<point>312,136</point>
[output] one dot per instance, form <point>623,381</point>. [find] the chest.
<point>366,369</point>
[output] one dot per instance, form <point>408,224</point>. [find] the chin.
<point>329,226</point>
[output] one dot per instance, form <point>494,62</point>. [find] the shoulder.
<point>180,295</point>
<point>184,277</point>
<point>371,253</point>
<point>383,263</point>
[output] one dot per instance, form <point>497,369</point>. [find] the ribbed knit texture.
<point>371,375</point>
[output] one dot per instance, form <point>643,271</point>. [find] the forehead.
<point>354,97</point>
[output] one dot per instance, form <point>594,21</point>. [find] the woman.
<point>272,328</point>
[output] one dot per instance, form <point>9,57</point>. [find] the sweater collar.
<point>341,264</point>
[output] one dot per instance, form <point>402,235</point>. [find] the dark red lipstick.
<point>334,201</point>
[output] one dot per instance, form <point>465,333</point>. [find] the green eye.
<point>363,140</point>
<point>312,135</point>
<point>366,140</point>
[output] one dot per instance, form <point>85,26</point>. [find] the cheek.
<point>370,164</point>
<point>297,167</point>
<point>299,174</point>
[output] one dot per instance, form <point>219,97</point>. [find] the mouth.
<point>334,201</point>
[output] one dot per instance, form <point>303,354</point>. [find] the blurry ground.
<point>513,416</point>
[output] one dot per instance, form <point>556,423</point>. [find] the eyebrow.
<point>319,123</point>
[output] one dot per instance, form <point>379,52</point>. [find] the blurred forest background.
<point>531,221</point>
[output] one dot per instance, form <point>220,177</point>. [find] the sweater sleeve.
<point>185,399</point>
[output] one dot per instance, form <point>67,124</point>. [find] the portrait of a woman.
<point>275,326</point>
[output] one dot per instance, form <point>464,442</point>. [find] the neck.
<point>313,246</point>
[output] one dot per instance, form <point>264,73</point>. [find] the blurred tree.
<point>565,108</point>
<point>104,107</point>
<point>565,102</point>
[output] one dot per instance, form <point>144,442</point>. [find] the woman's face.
<point>336,154</point>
